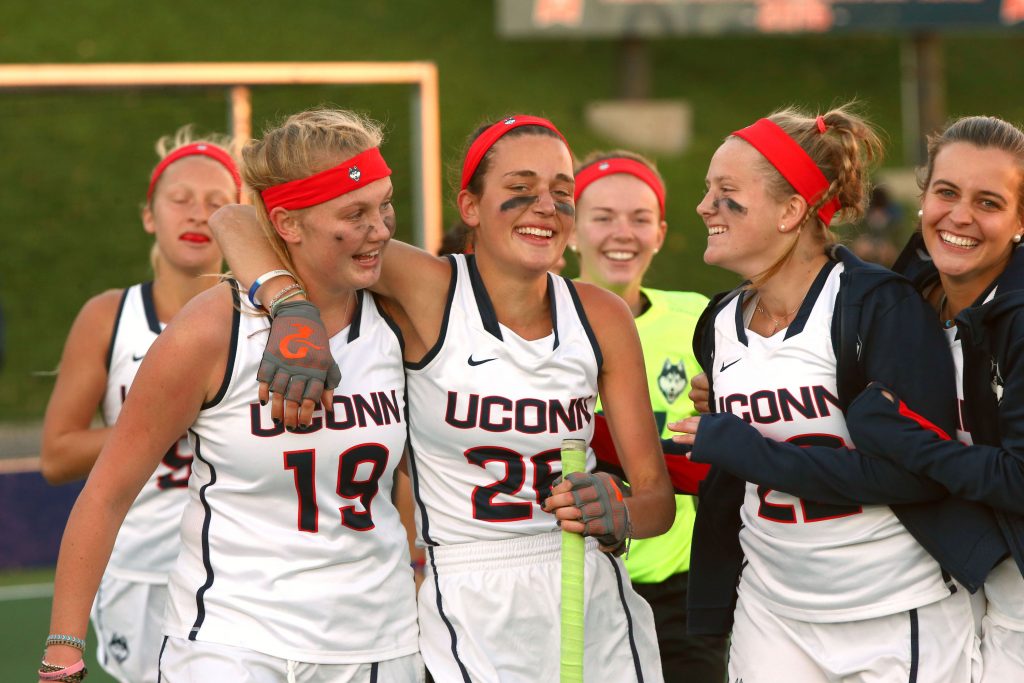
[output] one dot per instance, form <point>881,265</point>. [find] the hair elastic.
<point>349,175</point>
<point>205,149</point>
<point>486,140</point>
<point>795,165</point>
<point>606,167</point>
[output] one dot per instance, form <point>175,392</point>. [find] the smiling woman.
<point>503,362</point>
<point>108,340</point>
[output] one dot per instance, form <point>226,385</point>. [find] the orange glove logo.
<point>301,338</point>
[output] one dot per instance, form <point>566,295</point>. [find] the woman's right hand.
<point>297,367</point>
<point>700,393</point>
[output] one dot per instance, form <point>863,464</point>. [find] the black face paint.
<point>730,204</point>
<point>517,202</point>
<point>389,222</point>
<point>565,208</point>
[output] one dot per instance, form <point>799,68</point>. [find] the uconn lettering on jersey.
<point>358,410</point>
<point>524,415</point>
<point>769,406</point>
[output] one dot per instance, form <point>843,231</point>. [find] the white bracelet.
<point>258,282</point>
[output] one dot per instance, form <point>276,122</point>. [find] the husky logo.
<point>509,121</point>
<point>118,647</point>
<point>603,166</point>
<point>355,174</point>
<point>672,380</point>
<point>997,382</point>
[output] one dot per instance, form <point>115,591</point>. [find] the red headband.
<point>490,136</point>
<point>204,149</point>
<point>795,165</point>
<point>607,167</point>
<point>351,174</point>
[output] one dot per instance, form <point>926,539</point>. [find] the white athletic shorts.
<point>128,619</point>
<point>490,611</point>
<point>193,661</point>
<point>1002,652</point>
<point>935,643</point>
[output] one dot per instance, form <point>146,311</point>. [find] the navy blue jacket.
<point>992,339</point>
<point>881,329</point>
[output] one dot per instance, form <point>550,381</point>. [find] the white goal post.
<point>238,78</point>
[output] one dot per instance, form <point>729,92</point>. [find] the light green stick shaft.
<point>574,459</point>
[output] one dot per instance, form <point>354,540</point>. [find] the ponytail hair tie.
<point>820,122</point>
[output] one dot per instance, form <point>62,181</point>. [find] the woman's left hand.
<point>687,429</point>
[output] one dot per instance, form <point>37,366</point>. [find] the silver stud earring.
<point>572,248</point>
<point>656,249</point>
<point>920,213</point>
<point>1016,238</point>
<point>782,228</point>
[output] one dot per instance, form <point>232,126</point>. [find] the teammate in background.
<point>108,340</point>
<point>504,361</point>
<point>620,226</point>
<point>965,260</point>
<point>835,583</point>
<point>294,564</point>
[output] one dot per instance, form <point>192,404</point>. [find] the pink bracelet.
<point>59,674</point>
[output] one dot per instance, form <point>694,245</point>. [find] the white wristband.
<point>258,282</point>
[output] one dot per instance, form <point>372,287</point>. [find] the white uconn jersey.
<point>489,410</point>
<point>291,544</point>
<point>807,560</point>
<point>147,542</point>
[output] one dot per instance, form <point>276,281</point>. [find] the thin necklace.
<point>777,323</point>
<point>946,322</point>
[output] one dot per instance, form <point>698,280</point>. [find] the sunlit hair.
<point>476,181</point>
<point>986,132</point>
<point>186,135</point>
<point>845,153</point>
<point>303,144</point>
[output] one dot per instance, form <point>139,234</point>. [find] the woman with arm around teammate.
<point>504,361</point>
<point>845,564</point>
<point>107,342</point>
<point>293,562</point>
<point>966,261</point>
<point>620,226</point>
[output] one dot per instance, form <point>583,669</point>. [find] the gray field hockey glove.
<point>297,362</point>
<point>601,499</point>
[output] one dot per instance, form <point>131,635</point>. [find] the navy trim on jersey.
<point>236,315</point>
<point>357,318</point>
<point>440,611</point>
<point>150,306</point>
<point>629,619</point>
<point>797,326</point>
<point>586,322</point>
<point>436,348</point>
<point>207,517</point>
<point>373,673</point>
<point>915,653</point>
<point>414,478</point>
<point>391,323</point>
<point>483,300</point>
<point>554,308</point>
<point>160,661</point>
<point>741,328</point>
<point>117,324</point>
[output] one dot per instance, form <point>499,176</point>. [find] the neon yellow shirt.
<point>666,335</point>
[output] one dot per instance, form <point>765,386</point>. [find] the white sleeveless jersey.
<point>291,545</point>
<point>1004,587</point>
<point>147,542</point>
<point>807,560</point>
<point>489,411</point>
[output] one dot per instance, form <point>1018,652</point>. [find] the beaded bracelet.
<point>65,674</point>
<point>62,639</point>
<point>278,302</point>
<point>258,282</point>
<point>288,292</point>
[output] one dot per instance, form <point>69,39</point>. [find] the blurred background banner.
<point>664,18</point>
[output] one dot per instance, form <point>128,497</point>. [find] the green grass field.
<point>24,621</point>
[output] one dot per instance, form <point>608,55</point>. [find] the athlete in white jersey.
<point>504,361</point>
<point>104,349</point>
<point>967,262</point>
<point>831,583</point>
<point>294,564</point>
